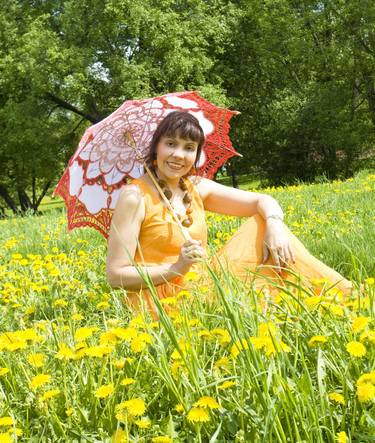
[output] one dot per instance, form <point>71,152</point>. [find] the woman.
<point>144,232</point>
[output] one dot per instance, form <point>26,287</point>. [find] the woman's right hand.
<point>191,252</point>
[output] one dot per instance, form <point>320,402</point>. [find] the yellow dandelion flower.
<point>84,333</point>
<point>171,301</point>
<point>223,362</point>
<point>161,439</point>
<point>60,301</point>
<point>367,378</point>
<point>227,384</point>
<point>183,294</point>
<point>77,317</point>
<point>365,392</point>
<point>179,408</point>
<point>176,355</point>
<point>3,371</point>
<point>368,336</point>
<point>69,411</point>
<point>140,342</point>
<point>104,391</point>
<point>204,334</point>
<point>223,334</point>
<point>138,321</point>
<point>134,407</point>
<point>207,402</point>
<point>360,323</point>
<point>125,334</point>
<point>267,329</point>
<point>98,351</point>
<point>198,415</point>
<point>119,364</point>
<point>191,276</point>
<point>102,306</point>
<point>338,398</point>
<point>259,342</point>
<point>313,302</point>
<point>65,353</point>
<point>370,281</point>
<point>39,380</point>
<point>18,431</point>
<point>175,368</point>
<point>336,310</point>
<point>6,421</point>
<point>272,346</point>
<point>316,339</point>
<point>356,349</point>
<point>127,381</point>
<point>108,338</point>
<point>50,394</point>
<point>143,423</point>
<point>119,436</point>
<point>36,360</point>
<point>341,437</point>
<point>5,437</point>
<point>238,347</point>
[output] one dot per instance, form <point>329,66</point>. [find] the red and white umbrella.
<point>112,151</point>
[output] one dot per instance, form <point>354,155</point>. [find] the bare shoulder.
<point>203,185</point>
<point>131,199</point>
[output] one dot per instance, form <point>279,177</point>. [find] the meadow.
<point>224,363</point>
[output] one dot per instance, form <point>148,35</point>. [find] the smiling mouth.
<point>175,166</point>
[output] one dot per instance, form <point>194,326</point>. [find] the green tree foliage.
<point>66,64</point>
<point>301,73</point>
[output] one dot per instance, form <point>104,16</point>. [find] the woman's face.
<point>175,157</point>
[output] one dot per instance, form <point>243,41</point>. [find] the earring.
<point>155,162</point>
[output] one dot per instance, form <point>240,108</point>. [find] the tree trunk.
<point>24,200</point>
<point>233,175</point>
<point>8,199</point>
<point>44,192</point>
<point>370,90</point>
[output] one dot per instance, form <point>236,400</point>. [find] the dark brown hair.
<point>181,124</point>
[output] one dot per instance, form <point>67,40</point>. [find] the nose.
<point>178,152</point>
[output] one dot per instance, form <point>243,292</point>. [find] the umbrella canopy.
<point>112,151</point>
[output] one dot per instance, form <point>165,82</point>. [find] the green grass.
<point>278,383</point>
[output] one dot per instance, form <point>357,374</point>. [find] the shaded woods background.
<point>302,73</point>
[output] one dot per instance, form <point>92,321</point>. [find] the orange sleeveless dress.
<point>160,241</point>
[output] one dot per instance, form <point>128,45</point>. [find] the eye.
<point>190,148</point>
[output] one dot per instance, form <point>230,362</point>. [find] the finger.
<point>292,255</point>
<point>266,253</point>
<point>286,255</point>
<point>189,243</point>
<point>276,260</point>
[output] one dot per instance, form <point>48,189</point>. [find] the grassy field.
<point>227,364</point>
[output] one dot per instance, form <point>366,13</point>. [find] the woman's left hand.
<point>277,244</point>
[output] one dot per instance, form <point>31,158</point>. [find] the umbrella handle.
<point>184,231</point>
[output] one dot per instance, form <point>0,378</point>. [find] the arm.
<point>232,201</point>
<point>122,243</point>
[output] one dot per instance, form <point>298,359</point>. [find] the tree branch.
<point>44,192</point>
<point>8,199</point>
<point>64,104</point>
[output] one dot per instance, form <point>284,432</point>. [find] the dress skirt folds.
<point>160,241</point>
